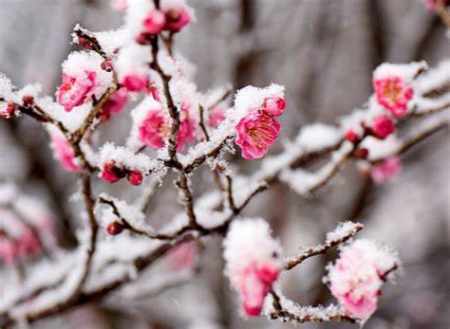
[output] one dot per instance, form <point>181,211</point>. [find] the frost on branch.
<point>252,262</point>
<point>356,278</point>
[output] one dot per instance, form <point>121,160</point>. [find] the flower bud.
<point>135,177</point>
<point>115,228</point>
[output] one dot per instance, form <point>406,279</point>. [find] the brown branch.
<point>442,12</point>
<point>320,249</point>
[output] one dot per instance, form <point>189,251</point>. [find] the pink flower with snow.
<point>216,116</point>
<point>274,106</point>
<point>63,151</point>
<point>183,256</point>
<point>154,22</point>
<point>253,265</point>
<point>111,173</point>
<point>7,110</point>
<point>256,133</point>
<point>186,134</point>
<point>382,127</point>
<point>135,82</point>
<point>386,170</point>
<point>154,129</point>
<point>394,94</point>
<point>115,104</point>
<point>76,90</point>
<point>176,19</point>
<point>357,276</point>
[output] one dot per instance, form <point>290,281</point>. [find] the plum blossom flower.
<point>114,104</point>
<point>274,106</point>
<point>256,133</point>
<point>253,264</point>
<point>394,94</point>
<point>83,78</point>
<point>76,90</point>
<point>63,150</point>
<point>132,67</point>
<point>154,22</point>
<point>8,250</point>
<point>382,127</point>
<point>178,15</point>
<point>358,275</point>
<point>7,110</point>
<point>216,116</point>
<point>386,170</point>
<point>183,256</point>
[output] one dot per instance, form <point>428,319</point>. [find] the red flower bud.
<point>382,127</point>
<point>28,100</point>
<point>361,153</point>
<point>135,178</point>
<point>115,228</point>
<point>107,66</point>
<point>351,136</point>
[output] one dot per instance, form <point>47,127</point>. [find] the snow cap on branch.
<point>252,262</point>
<point>356,278</point>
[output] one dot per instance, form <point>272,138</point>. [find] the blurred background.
<point>324,52</point>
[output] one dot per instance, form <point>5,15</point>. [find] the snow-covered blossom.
<point>183,256</point>
<point>178,14</point>
<point>386,170</point>
<point>216,116</point>
<point>357,276</point>
<point>154,129</point>
<point>7,109</point>
<point>257,129</point>
<point>83,78</point>
<point>382,127</point>
<point>256,133</point>
<point>132,67</point>
<point>62,149</point>
<point>118,162</point>
<point>114,104</point>
<point>393,85</point>
<point>252,262</point>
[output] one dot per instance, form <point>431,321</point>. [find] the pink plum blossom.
<point>253,264</point>
<point>216,116</point>
<point>7,110</point>
<point>382,127</point>
<point>176,19</point>
<point>135,82</point>
<point>115,104</point>
<point>76,90</point>
<point>183,256</point>
<point>154,129</point>
<point>274,106</point>
<point>186,134</point>
<point>357,276</point>
<point>64,151</point>
<point>154,22</point>
<point>394,94</point>
<point>256,132</point>
<point>386,170</point>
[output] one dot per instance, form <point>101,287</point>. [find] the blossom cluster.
<point>252,262</point>
<point>357,276</point>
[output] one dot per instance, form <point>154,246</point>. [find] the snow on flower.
<point>114,104</point>
<point>256,133</point>
<point>116,162</point>
<point>386,170</point>
<point>62,150</point>
<point>132,66</point>
<point>356,278</point>
<point>393,85</point>
<point>83,78</point>
<point>143,20</point>
<point>151,125</point>
<point>178,14</point>
<point>257,129</point>
<point>252,262</point>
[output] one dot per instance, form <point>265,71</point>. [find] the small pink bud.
<point>351,136</point>
<point>382,127</point>
<point>176,19</point>
<point>107,66</point>
<point>111,173</point>
<point>154,22</point>
<point>115,228</point>
<point>274,106</point>
<point>28,100</point>
<point>135,177</point>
